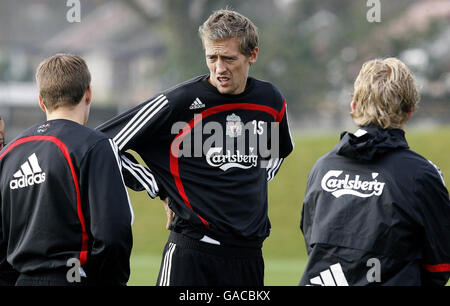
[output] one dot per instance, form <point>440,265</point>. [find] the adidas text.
<point>30,173</point>
<point>27,181</point>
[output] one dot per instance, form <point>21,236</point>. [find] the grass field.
<point>284,250</point>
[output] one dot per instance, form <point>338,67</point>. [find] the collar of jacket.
<point>370,142</point>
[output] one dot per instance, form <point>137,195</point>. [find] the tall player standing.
<point>218,197</point>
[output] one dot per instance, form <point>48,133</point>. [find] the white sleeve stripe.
<point>141,116</point>
<point>288,126</point>
<point>141,125</point>
<point>149,191</point>
<point>141,178</point>
<point>145,174</point>
<point>116,152</point>
<point>136,117</point>
<point>275,170</point>
<point>269,165</point>
<point>270,169</point>
<point>119,164</point>
<point>138,123</point>
<point>438,171</point>
<point>150,182</point>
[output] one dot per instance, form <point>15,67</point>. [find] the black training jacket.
<point>376,213</point>
<point>63,196</point>
<point>183,135</point>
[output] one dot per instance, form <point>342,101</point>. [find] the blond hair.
<point>385,92</point>
<point>62,80</point>
<point>227,24</point>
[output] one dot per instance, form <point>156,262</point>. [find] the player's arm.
<point>169,213</point>
<point>435,213</point>
<point>272,168</point>
<point>136,128</point>
<point>110,215</point>
<point>283,141</point>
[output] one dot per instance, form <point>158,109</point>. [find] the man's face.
<point>2,133</point>
<point>228,67</point>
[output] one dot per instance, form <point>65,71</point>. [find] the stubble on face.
<point>228,67</point>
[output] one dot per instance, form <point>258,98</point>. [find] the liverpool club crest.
<point>234,126</point>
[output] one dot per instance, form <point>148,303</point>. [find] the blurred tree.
<point>311,50</point>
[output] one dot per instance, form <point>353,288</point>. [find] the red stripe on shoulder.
<point>65,151</point>
<point>282,112</point>
<point>438,268</point>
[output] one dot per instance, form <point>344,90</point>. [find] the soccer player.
<point>201,142</point>
<point>62,222</point>
<point>376,212</point>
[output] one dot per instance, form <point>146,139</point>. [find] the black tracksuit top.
<point>213,191</point>
<point>63,197</point>
<point>376,213</point>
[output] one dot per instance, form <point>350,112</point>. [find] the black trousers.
<point>57,277</point>
<point>189,262</point>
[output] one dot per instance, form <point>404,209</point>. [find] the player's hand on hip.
<point>169,213</point>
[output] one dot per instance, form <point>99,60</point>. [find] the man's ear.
<point>42,105</point>
<point>254,56</point>
<point>410,113</point>
<point>88,95</point>
<point>353,106</point>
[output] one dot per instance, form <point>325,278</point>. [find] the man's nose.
<point>220,67</point>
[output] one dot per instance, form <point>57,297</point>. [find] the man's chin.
<point>225,90</point>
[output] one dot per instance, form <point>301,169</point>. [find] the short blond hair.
<point>62,80</point>
<point>227,24</point>
<point>385,92</point>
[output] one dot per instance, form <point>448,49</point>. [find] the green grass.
<point>284,250</point>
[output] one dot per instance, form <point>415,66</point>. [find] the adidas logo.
<point>29,174</point>
<point>334,276</point>
<point>197,104</point>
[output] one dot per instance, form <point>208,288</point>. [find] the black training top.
<point>211,153</point>
<point>376,213</point>
<point>63,197</point>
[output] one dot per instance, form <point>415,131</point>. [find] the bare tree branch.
<point>140,11</point>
